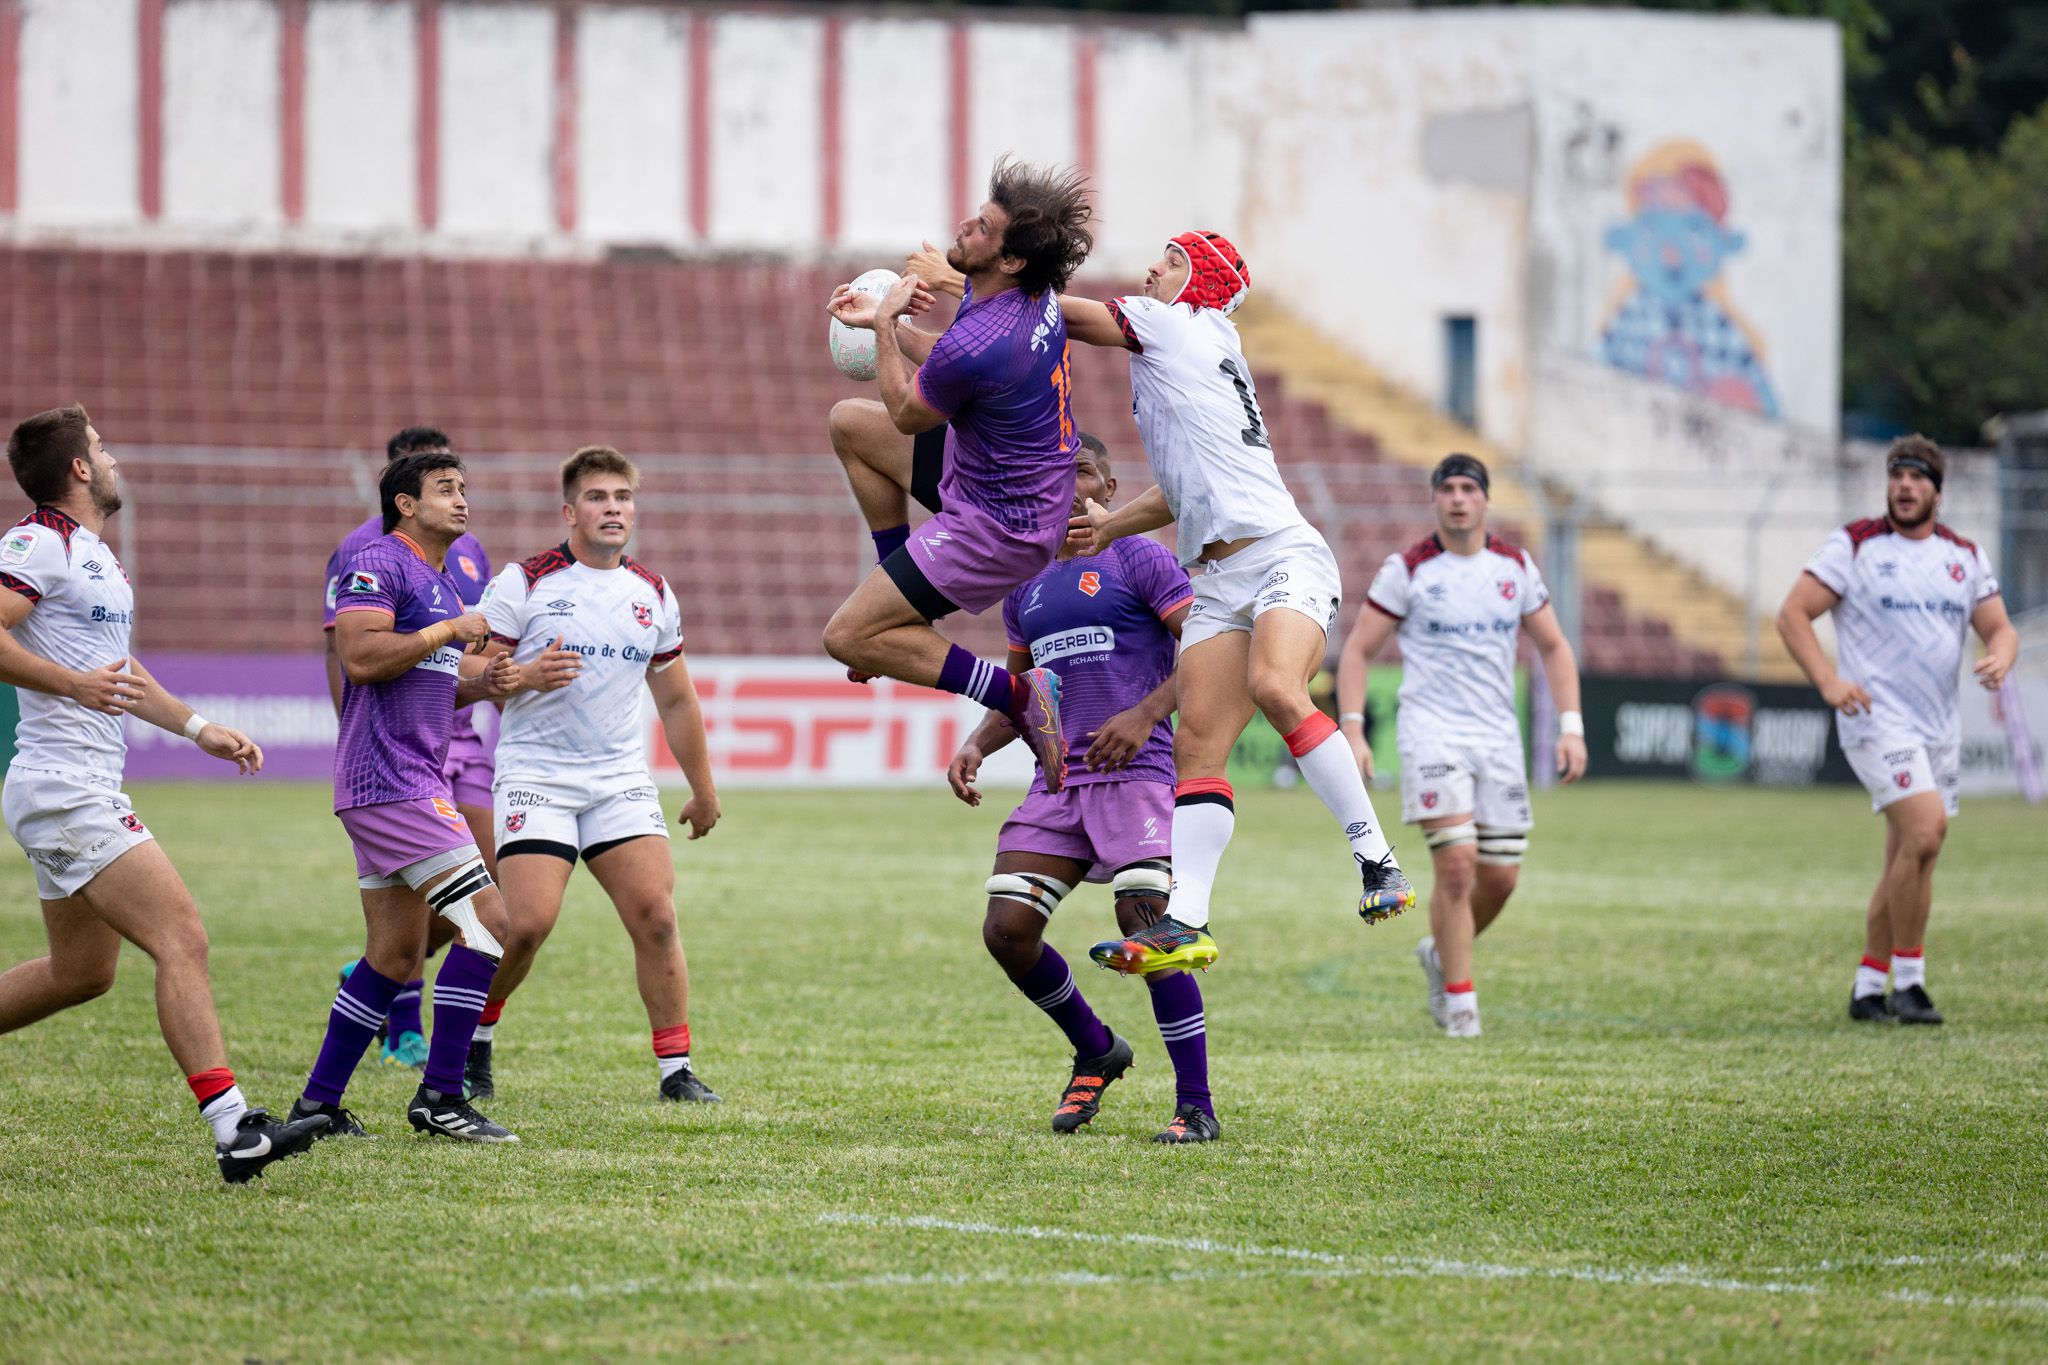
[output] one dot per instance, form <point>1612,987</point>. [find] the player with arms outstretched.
<point>997,379</point>
<point>468,768</point>
<point>66,617</point>
<point>1904,589</point>
<point>1266,585</point>
<point>595,628</point>
<point>399,628</point>
<point>1109,623</point>
<point>1459,600</point>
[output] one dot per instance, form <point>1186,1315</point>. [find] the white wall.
<point>362,100</point>
<point>78,114</point>
<point>632,79</point>
<point>221,143</point>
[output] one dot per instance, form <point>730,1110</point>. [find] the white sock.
<point>1332,774</point>
<point>1869,978</point>
<point>483,1033</point>
<point>224,1112</point>
<point>1201,831</point>
<point>1456,1002</point>
<point>671,1065</point>
<point>1909,969</point>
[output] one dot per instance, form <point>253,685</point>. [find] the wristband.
<point>194,724</point>
<point>1571,723</point>
<point>1344,717</point>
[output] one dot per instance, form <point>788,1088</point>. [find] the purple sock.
<point>460,990</point>
<point>967,676</point>
<point>405,1012</point>
<point>1177,1005</point>
<point>359,1006</point>
<point>1050,986</point>
<point>890,541</point>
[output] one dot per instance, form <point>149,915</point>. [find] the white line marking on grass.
<point>1330,1262</point>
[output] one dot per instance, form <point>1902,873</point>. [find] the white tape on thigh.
<point>1035,889</point>
<point>1153,877</point>
<point>455,900</point>
<point>1502,847</point>
<point>1450,836</point>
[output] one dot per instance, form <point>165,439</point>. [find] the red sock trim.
<point>1877,964</point>
<point>1457,988</point>
<point>1909,952</point>
<point>1311,732</point>
<point>672,1042</point>
<point>209,1086</point>
<point>492,1009</point>
<point>1203,786</point>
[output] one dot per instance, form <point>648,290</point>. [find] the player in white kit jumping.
<point>1459,601</point>
<point>67,614</point>
<point>1903,589</point>
<point>1266,585</point>
<point>572,775</point>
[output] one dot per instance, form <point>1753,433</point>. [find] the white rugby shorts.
<point>1893,772</point>
<point>1290,568</point>
<point>575,814</point>
<point>1446,777</point>
<point>71,824</point>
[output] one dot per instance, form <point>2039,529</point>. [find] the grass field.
<point>1669,1144</point>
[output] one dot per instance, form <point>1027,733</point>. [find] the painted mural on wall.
<point>1672,320</point>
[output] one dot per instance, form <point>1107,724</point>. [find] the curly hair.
<point>1049,212</point>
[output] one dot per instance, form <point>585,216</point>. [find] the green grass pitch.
<point>1669,1144</point>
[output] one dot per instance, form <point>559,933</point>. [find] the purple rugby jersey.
<point>1000,375</point>
<point>1099,622</point>
<point>393,736</point>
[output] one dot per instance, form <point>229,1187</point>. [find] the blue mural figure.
<point>1673,322</point>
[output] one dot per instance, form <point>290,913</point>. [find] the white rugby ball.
<point>853,348</point>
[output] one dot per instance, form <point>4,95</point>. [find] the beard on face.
<point>104,492</point>
<point>1921,518</point>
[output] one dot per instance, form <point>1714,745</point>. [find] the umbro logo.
<point>561,606</point>
<point>1357,829</point>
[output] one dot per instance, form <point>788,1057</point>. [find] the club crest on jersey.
<point>1429,800</point>
<point>445,808</point>
<point>468,566</point>
<point>362,580</point>
<point>1091,582</point>
<point>643,613</point>
<point>1955,570</point>
<point>515,822</point>
<point>1507,589</point>
<point>1904,780</point>
<point>132,823</point>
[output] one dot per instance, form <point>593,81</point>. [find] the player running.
<point>1902,588</point>
<point>998,380</point>
<point>468,768</point>
<point>1110,624</point>
<point>1458,600</point>
<point>399,628</point>
<point>572,760</point>
<point>1266,585</point>
<point>66,617</point>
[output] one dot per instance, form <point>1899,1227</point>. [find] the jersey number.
<point>1063,385</point>
<point>1254,434</point>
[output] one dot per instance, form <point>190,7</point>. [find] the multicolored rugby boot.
<point>1189,1124</point>
<point>1035,711</point>
<point>1160,946</point>
<point>1092,1076</point>
<point>1387,892</point>
<point>410,1050</point>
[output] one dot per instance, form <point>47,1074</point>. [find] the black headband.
<point>1917,463</point>
<point>1461,466</point>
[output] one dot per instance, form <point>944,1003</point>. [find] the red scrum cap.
<point>1218,277</point>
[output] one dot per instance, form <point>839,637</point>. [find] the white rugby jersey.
<point>1206,440</point>
<point>1899,628</point>
<point>623,621</point>
<point>1460,616</point>
<point>83,619</point>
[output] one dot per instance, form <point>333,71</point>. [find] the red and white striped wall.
<point>566,126</point>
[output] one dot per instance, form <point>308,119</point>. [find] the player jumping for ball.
<point>66,616</point>
<point>1460,599</point>
<point>572,759</point>
<point>998,379</point>
<point>1266,585</point>
<point>1109,622</point>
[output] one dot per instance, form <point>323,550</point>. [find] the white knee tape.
<point>455,900</point>
<point>1502,847</point>
<point>1153,877</point>
<point>1033,889</point>
<point>1450,836</point>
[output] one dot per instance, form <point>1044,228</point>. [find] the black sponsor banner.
<point>1768,734</point>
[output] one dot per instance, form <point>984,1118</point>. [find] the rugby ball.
<point>853,348</point>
